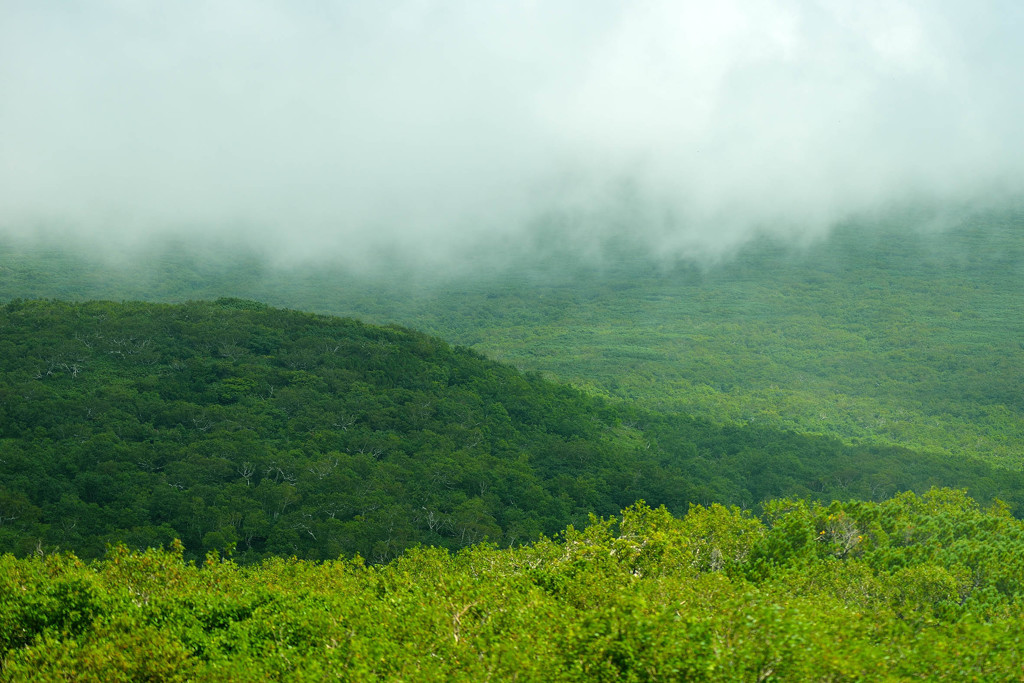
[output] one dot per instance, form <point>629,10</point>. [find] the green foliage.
<point>878,333</point>
<point>780,382</point>
<point>931,590</point>
<point>258,431</point>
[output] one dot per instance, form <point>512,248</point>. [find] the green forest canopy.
<point>878,333</point>
<point>253,433</point>
<point>914,587</point>
<point>234,425</point>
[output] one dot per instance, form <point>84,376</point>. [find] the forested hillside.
<point>877,333</point>
<point>530,341</point>
<point>231,425</point>
<point>912,588</point>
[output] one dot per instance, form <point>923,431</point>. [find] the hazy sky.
<point>348,128</point>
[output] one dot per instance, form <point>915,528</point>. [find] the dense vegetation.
<point>235,425</point>
<point>875,362</point>
<point>912,588</point>
<point>878,333</point>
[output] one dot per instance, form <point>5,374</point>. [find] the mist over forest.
<point>356,133</point>
<point>569,340</point>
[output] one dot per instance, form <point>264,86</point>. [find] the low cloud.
<point>431,130</point>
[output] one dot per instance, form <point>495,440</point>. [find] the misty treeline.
<point>913,587</point>
<point>342,128</point>
<point>886,332</point>
<point>238,427</point>
<point>773,252</point>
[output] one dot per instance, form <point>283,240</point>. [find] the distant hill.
<point>889,332</point>
<point>230,424</point>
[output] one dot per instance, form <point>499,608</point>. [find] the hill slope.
<point>880,332</point>
<point>278,432</point>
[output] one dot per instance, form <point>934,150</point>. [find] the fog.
<point>438,130</point>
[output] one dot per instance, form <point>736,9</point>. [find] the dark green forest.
<point>877,333</point>
<point>232,425</point>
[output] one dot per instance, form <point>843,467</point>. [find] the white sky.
<point>327,128</point>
